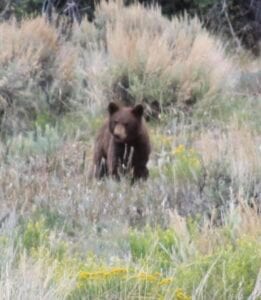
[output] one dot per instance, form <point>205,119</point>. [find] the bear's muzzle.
<point>120,133</point>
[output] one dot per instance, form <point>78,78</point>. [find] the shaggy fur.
<point>122,143</point>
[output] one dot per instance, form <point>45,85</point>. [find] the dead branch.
<point>232,31</point>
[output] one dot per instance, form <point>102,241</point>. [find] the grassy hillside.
<point>193,230</point>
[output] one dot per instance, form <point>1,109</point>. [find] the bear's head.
<point>125,122</point>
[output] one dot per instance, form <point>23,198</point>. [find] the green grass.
<point>158,263</point>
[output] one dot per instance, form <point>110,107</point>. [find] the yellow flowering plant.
<point>181,295</point>
<point>105,278</point>
<point>182,164</point>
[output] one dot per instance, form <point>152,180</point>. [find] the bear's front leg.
<point>112,160</point>
<point>139,162</point>
<point>140,172</point>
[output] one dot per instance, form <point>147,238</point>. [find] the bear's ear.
<point>112,108</point>
<point>138,110</point>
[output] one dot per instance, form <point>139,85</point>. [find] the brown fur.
<point>124,130</point>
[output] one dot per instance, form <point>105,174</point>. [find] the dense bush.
<point>238,20</point>
<point>131,54</point>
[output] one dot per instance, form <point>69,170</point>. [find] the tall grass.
<point>192,230</point>
<point>182,262</point>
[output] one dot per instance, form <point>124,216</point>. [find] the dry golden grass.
<point>144,42</point>
<point>164,60</point>
<point>66,61</point>
<point>237,148</point>
<point>31,43</point>
<point>243,221</point>
<point>135,18</point>
<point>34,277</point>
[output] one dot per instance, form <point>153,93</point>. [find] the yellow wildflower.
<point>146,276</point>
<point>179,150</point>
<point>165,139</point>
<point>165,281</point>
<point>91,275</point>
<point>83,275</point>
<point>117,271</point>
<point>181,295</point>
<point>195,162</point>
<point>101,274</point>
<point>162,139</point>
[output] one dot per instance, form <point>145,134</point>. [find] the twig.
<point>224,9</point>
<point>4,218</point>
<point>5,10</point>
<point>257,289</point>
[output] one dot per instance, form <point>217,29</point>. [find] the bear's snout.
<point>119,132</point>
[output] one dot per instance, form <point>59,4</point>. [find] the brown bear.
<point>122,143</point>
